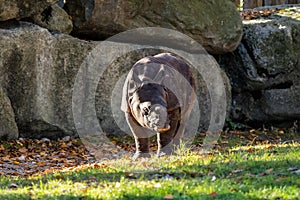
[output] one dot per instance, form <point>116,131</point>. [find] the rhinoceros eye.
<point>145,111</point>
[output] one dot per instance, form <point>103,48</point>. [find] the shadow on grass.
<point>228,196</point>
<point>133,197</point>
<point>234,179</point>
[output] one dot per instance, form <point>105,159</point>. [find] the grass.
<point>241,172</point>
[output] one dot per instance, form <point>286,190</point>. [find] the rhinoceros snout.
<point>158,118</point>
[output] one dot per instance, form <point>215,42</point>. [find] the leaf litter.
<point>27,157</point>
<point>252,14</point>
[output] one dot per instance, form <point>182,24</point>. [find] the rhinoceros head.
<point>149,107</point>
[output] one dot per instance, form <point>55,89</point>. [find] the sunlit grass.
<point>256,172</point>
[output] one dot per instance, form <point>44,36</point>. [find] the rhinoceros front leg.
<point>141,137</point>
<point>165,140</point>
<point>165,144</point>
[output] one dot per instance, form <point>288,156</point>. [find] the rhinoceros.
<point>158,96</point>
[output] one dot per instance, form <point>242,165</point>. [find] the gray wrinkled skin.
<point>149,107</point>
<point>158,95</point>
<point>157,119</point>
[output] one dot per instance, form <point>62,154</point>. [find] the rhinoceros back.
<point>167,70</point>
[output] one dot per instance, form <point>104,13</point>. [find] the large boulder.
<point>214,24</point>
<point>8,126</point>
<point>17,9</point>
<point>55,19</point>
<point>38,70</point>
<point>265,69</point>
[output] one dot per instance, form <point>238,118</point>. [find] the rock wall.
<point>265,70</point>
<point>39,64</point>
<point>38,73</point>
<point>39,61</point>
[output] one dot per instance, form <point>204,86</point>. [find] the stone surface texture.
<point>55,19</point>
<point>8,126</point>
<point>16,9</point>
<point>214,24</point>
<point>265,69</point>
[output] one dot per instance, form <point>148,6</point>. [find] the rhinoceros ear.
<point>130,99</point>
<point>144,83</point>
<point>166,93</point>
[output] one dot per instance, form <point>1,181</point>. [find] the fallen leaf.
<point>292,169</point>
<point>6,158</point>
<point>157,185</point>
<point>297,172</point>
<point>84,189</point>
<point>41,164</point>
<point>48,171</point>
<point>63,145</point>
<point>269,170</point>
<point>16,162</point>
<point>214,178</point>
<point>13,186</point>
<point>68,165</point>
<point>237,171</point>
<point>23,150</point>
<point>92,179</point>
<point>169,196</point>
<point>59,177</point>
<point>130,176</point>
<point>118,184</point>
<point>250,150</point>
<point>144,164</point>
<point>22,158</point>
<point>213,194</point>
<point>192,175</point>
<point>96,166</point>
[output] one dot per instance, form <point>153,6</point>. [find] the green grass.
<point>256,172</point>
